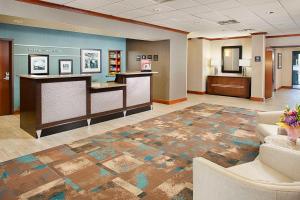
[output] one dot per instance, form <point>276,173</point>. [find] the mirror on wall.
<point>230,59</point>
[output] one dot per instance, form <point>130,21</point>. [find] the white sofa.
<point>266,124</point>
<point>274,175</point>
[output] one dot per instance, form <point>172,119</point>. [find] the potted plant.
<point>290,121</point>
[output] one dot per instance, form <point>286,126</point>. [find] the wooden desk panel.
<point>229,86</point>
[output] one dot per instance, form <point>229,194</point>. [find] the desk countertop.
<point>54,76</point>
<point>136,73</point>
<point>98,85</point>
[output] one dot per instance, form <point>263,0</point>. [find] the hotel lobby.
<point>150,99</point>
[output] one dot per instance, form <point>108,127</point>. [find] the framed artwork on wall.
<point>90,61</point>
<point>144,57</point>
<point>149,57</point>
<point>38,64</point>
<point>138,58</point>
<point>279,61</point>
<point>65,66</point>
<point>155,58</point>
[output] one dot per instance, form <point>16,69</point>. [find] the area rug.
<point>149,160</point>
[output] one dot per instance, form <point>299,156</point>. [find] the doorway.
<point>296,70</point>
<point>6,80</point>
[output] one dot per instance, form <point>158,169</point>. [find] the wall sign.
<point>257,58</point>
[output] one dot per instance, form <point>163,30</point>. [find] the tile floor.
<point>14,142</point>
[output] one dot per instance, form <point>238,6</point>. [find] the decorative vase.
<point>293,133</point>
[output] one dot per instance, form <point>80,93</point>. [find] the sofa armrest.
<point>269,117</point>
<point>283,160</point>
<point>213,182</point>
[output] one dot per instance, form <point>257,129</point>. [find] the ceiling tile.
<point>179,4</point>
<point>226,4</point>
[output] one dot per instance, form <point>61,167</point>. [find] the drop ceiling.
<point>201,17</point>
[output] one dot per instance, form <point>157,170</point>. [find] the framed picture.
<point>149,57</point>
<point>38,64</point>
<point>90,61</point>
<point>65,66</point>
<point>279,61</point>
<point>144,57</point>
<point>155,58</point>
<point>138,58</point>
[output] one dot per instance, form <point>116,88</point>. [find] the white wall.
<point>216,50</point>
<point>198,64</point>
<point>258,68</point>
<point>283,41</point>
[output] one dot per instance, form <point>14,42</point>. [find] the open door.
<point>269,74</point>
<point>6,84</point>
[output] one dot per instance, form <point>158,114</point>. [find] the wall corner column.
<point>258,66</point>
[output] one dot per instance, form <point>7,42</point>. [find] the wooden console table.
<point>235,86</point>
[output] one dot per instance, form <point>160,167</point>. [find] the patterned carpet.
<point>150,160</point>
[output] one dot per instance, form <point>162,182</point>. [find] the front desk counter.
<point>55,103</point>
<point>138,90</point>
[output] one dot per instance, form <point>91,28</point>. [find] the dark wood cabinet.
<point>229,86</point>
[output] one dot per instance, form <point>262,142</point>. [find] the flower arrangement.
<point>290,120</point>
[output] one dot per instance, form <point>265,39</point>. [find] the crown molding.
<point>225,38</point>
<point>287,35</point>
<point>97,14</point>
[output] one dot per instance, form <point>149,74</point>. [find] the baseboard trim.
<point>285,87</point>
<point>196,92</point>
<point>170,102</point>
<point>257,99</point>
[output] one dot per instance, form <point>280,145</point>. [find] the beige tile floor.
<point>15,142</point>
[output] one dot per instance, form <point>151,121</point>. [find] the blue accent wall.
<point>59,45</point>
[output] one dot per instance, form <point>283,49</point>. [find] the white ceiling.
<point>200,17</point>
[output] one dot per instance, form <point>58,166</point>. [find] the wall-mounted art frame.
<point>149,57</point>
<point>279,61</point>
<point>230,59</point>
<point>38,64</point>
<point>91,61</point>
<point>138,58</point>
<point>144,57</point>
<point>65,66</point>
<point>155,57</point>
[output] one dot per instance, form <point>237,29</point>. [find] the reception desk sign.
<point>146,65</point>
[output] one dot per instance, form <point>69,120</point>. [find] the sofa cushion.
<point>265,130</point>
<point>258,171</point>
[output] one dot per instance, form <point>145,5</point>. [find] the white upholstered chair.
<point>266,124</point>
<point>274,175</point>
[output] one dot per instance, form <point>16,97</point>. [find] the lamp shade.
<point>245,62</point>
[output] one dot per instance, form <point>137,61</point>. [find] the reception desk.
<point>55,103</point>
<point>138,90</point>
<point>235,86</point>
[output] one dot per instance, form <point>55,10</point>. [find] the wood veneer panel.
<point>229,86</point>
